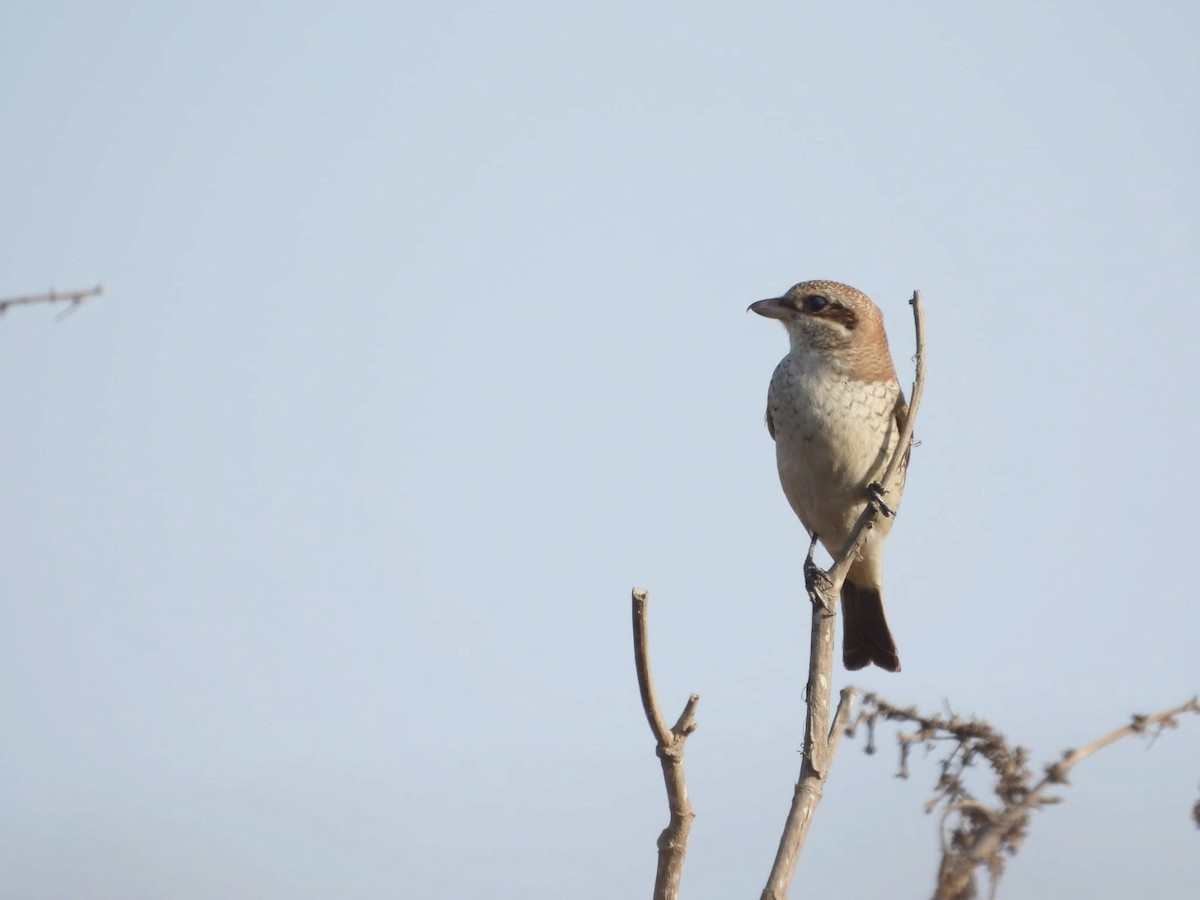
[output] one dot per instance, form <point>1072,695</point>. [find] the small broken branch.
<point>72,297</point>
<point>824,587</point>
<point>672,843</point>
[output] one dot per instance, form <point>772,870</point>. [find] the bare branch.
<point>1057,772</point>
<point>824,586</point>
<point>72,297</point>
<point>672,843</point>
<point>814,766</point>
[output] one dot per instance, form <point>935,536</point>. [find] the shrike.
<point>835,410</point>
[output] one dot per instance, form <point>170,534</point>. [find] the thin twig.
<point>72,297</point>
<point>641,662</point>
<point>820,740</point>
<point>672,843</point>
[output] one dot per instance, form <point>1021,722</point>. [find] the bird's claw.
<point>875,489</point>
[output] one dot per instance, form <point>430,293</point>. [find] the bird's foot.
<point>875,489</point>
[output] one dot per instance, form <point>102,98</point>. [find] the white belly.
<point>833,437</point>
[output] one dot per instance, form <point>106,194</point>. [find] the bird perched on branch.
<point>835,410</point>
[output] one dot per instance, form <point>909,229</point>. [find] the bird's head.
<point>835,321</point>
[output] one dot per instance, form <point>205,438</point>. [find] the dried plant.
<point>978,833</point>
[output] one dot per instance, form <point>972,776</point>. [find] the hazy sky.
<point>424,339</point>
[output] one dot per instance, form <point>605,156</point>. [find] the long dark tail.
<point>866,637</point>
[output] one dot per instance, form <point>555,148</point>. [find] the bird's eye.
<point>815,302</point>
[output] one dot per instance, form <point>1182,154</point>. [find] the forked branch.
<point>672,843</point>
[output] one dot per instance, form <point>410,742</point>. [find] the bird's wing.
<point>771,423</point>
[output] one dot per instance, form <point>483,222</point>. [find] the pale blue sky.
<point>425,339</point>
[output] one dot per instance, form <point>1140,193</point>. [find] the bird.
<point>835,410</point>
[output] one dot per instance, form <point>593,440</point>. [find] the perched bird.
<point>835,410</point>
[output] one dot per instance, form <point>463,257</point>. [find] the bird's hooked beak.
<point>774,308</point>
